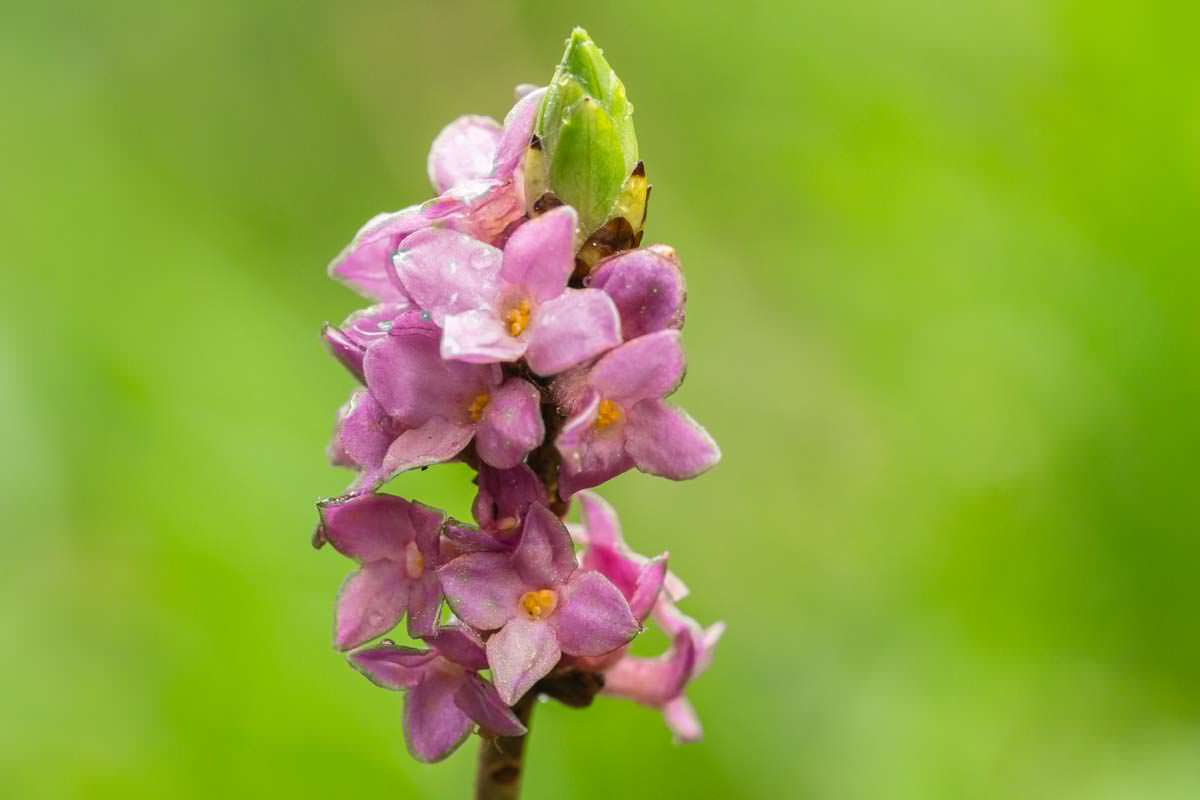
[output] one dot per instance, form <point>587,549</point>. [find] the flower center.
<point>475,410</point>
<point>539,604</point>
<point>608,413</point>
<point>517,318</point>
<point>414,562</point>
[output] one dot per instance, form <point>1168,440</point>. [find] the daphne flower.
<point>501,305</point>
<point>660,682</point>
<point>446,697</point>
<point>396,544</point>
<point>619,420</point>
<point>478,203</point>
<point>504,497</point>
<point>639,578</point>
<point>450,403</point>
<point>647,287</point>
<point>538,602</point>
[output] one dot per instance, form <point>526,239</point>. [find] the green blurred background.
<point>943,320</point>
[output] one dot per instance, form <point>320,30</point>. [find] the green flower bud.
<point>585,129</point>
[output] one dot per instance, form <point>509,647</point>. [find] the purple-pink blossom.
<point>445,695</point>
<point>538,603</point>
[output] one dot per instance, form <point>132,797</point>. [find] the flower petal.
<point>518,128</point>
<point>446,272</point>
<point>467,539</point>
<point>408,377</point>
<point>459,644</point>
<point>682,720</point>
<point>520,654</point>
<point>647,287</point>
<point>504,495</point>
<point>590,457</point>
<point>600,520</point>
<point>479,337</point>
<point>653,681</point>
<point>545,557</point>
<point>593,617</point>
<point>480,701</point>
<point>364,432</point>
<point>365,264</point>
<point>370,603</point>
<point>434,726</point>
<point>511,425</point>
<point>650,366</point>
<point>483,589</point>
<point>392,667</point>
<point>649,585</point>
<point>424,605</point>
<point>342,347</point>
<point>574,327</point>
<point>464,150</point>
<point>665,441</point>
<point>434,442</point>
<point>540,254</point>
<point>367,527</point>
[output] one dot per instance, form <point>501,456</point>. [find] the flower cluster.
<point>536,344</point>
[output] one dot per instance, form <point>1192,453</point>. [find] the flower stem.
<point>502,758</point>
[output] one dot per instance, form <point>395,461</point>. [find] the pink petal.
<point>518,128</point>
<point>574,327</point>
<point>424,603</point>
<point>365,264</point>
<point>459,644</point>
<point>434,726</point>
<point>435,442</point>
<point>650,366</point>
<point>447,272</point>
<point>464,150</point>
<point>504,495</point>
<point>408,377</point>
<point>649,586</point>
<point>545,557</point>
<point>479,700</point>
<point>370,603</point>
<point>540,255</point>
<point>593,617</point>
<point>647,287</point>
<point>364,432</point>
<point>348,352</point>
<point>682,720</point>
<point>520,654</point>
<point>483,589</point>
<point>367,527</point>
<point>600,520</point>
<point>392,667</point>
<point>466,539</point>
<point>590,457</point>
<point>511,425</point>
<point>665,441</point>
<point>479,337</point>
<point>653,682</point>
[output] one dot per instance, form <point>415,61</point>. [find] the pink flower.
<point>497,306</point>
<point>396,544</point>
<point>538,602</point>
<point>473,164</point>
<point>619,420</point>
<point>442,405</point>
<point>446,698</point>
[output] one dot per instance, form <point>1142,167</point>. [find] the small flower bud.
<point>586,145</point>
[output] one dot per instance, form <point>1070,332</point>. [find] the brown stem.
<point>502,758</point>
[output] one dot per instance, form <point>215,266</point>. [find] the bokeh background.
<point>942,262</point>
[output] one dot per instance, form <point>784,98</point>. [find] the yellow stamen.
<point>414,562</point>
<point>539,604</point>
<point>609,413</point>
<point>518,318</point>
<point>475,410</point>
